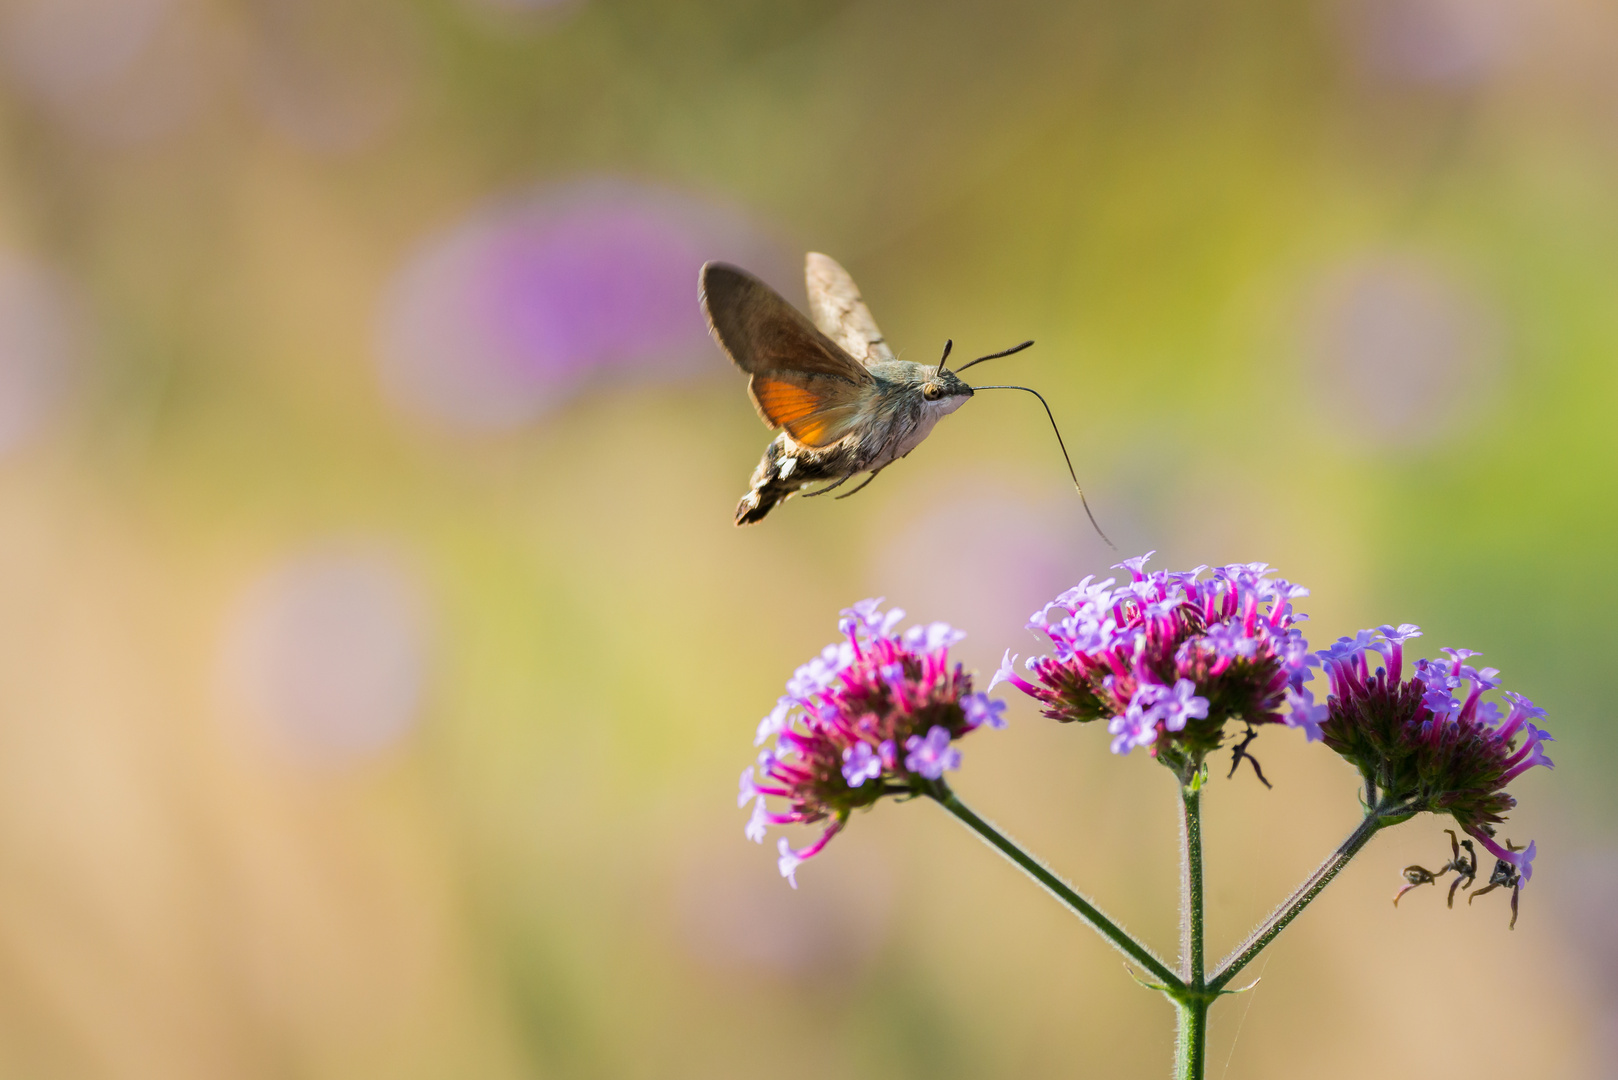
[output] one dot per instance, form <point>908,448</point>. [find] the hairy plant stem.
<point>1191,989</point>
<point>1120,938</point>
<point>1191,1007</point>
<point>1191,1049</point>
<point>1191,921</point>
<point>1377,817</point>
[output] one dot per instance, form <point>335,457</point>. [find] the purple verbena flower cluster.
<point>874,714</point>
<point>1431,741</point>
<point>1168,658</point>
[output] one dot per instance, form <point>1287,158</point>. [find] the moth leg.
<point>861,488</point>
<point>833,486</point>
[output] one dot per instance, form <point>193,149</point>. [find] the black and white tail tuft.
<point>773,481</point>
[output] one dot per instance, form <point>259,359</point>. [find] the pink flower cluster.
<point>1168,658</point>
<point>1432,740</point>
<point>874,714</point>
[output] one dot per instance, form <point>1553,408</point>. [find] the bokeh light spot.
<point>1439,43</point>
<point>41,338</point>
<point>333,78</point>
<point>517,308</point>
<point>112,71</point>
<point>1398,352</point>
<point>328,652</point>
<point>734,913</point>
<point>520,7</point>
<point>59,49</point>
<point>984,562</point>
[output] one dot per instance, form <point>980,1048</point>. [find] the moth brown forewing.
<point>844,402</point>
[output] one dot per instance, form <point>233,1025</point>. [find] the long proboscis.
<point>1059,442</point>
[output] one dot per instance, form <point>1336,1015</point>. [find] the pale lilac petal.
<point>1006,671</point>
<point>788,861</point>
<point>758,823</point>
<point>861,763</point>
<point>1305,713</point>
<point>932,756</point>
<point>981,710</point>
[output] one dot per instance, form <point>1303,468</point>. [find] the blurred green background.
<point>377,656</point>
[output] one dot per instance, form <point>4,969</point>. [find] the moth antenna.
<point>995,356</point>
<point>1052,417</point>
<point>949,343</point>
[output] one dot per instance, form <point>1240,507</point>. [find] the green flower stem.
<point>1092,915</point>
<point>1191,920</point>
<point>1191,1007</point>
<point>1377,818</point>
<point>1191,1051</point>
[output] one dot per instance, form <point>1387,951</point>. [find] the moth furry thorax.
<point>912,401</point>
<point>846,405</point>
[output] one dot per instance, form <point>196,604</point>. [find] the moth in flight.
<point>844,402</point>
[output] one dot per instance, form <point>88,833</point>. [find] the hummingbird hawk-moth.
<point>844,402</point>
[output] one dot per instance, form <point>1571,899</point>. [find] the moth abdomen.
<point>784,470</point>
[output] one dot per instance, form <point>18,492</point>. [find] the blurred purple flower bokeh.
<point>514,310</point>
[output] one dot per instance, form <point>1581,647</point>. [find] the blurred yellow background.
<point>377,656</point>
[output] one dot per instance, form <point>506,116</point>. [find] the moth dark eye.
<point>932,391</point>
